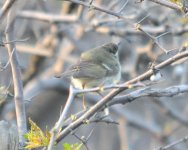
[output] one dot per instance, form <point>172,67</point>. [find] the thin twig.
<point>167,4</point>
<point>52,18</point>
<point>62,118</point>
<point>15,41</point>
<point>8,62</point>
<point>121,9</point>
<point>103,119</point>
<point>96,89</point>
<point>99,9</point>
<point>82,140</point>
<point>154,39</point>
<point>183,140</point>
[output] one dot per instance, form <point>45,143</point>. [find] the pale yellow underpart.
<point>78,83</point>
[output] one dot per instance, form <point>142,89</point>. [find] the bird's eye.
<point>113,50</point>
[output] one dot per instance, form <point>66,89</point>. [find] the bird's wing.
<point>85,69</point>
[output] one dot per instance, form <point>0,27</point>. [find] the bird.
<point>96,67</point>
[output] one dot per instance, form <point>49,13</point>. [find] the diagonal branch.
<point>8,4</point>
<point>167,4</point>
<point>170,146</point>
<point>91,6</point>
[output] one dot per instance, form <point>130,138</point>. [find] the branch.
<point>8,62</point>
<point>167,4</point>
<point>91,6</point>
<point>62,118</point>
<point>52,18</point>
<point>83,139</point>
<point>168,92</point>
<point>8,4</point>
<point>100,104</point>
<point>18,85</point>
<point>154,39</point>
<point>183,140</point>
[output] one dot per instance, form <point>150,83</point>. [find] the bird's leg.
<point>84,104</point>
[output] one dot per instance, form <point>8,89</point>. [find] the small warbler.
<point>96,67</point>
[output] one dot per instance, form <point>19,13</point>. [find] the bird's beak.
<point>119,43</point>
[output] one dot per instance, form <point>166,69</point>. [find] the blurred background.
<point>57,32</point>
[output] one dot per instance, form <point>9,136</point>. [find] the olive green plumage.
<point>96,67</point>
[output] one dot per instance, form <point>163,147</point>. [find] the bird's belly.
<point>84,83</point>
